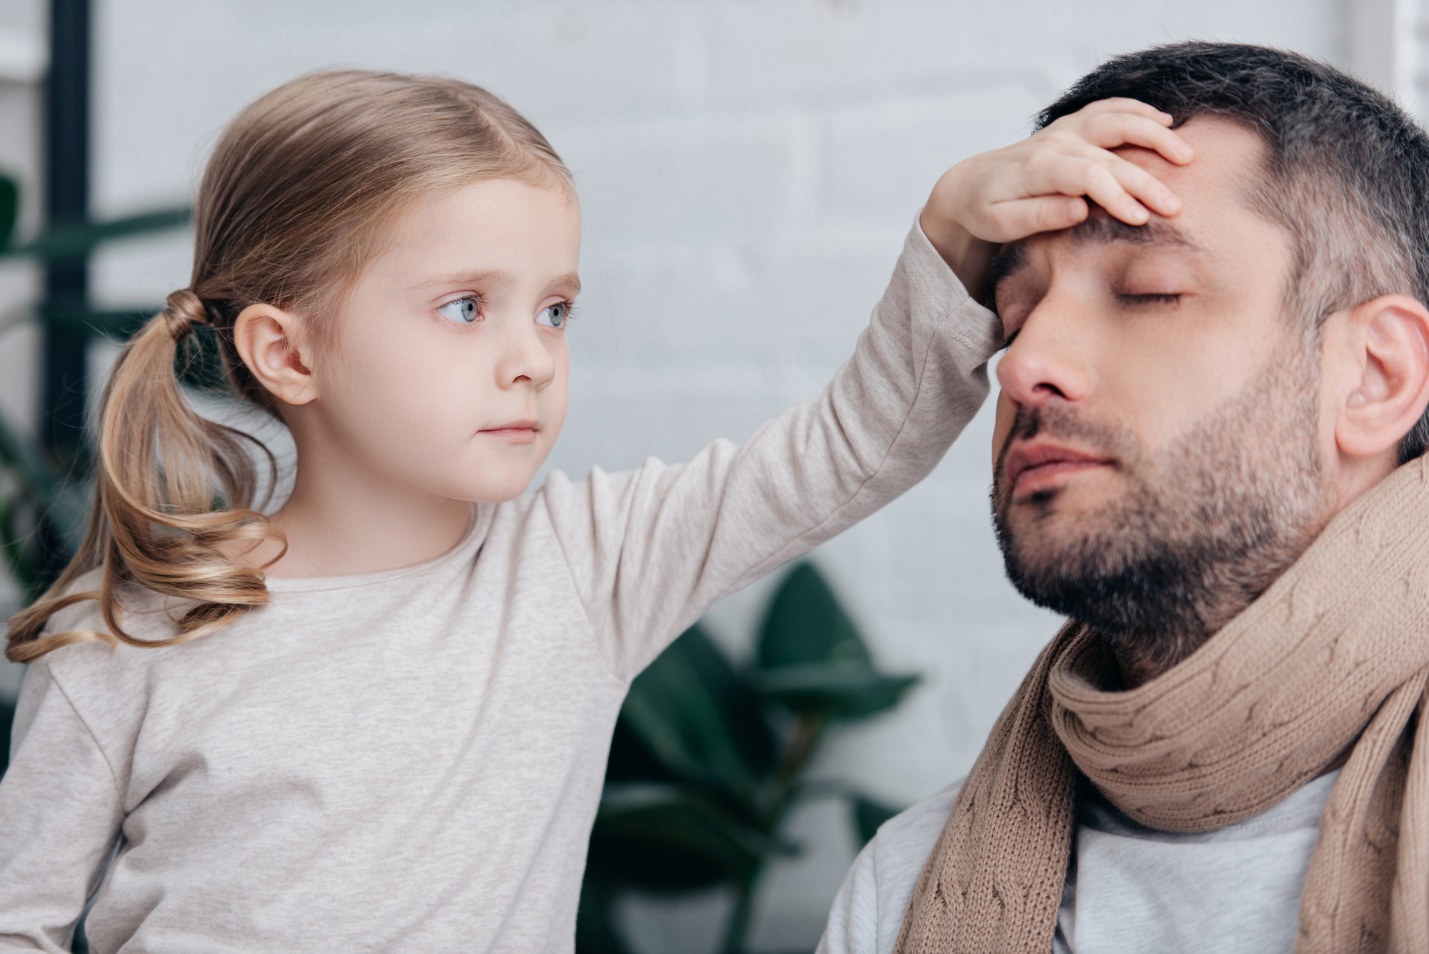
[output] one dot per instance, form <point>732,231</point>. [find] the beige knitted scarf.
<point>1335,654</point>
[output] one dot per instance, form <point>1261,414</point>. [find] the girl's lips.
<point>520,432</point>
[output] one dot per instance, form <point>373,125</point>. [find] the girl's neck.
<point>352,526</point>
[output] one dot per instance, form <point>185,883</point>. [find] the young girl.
<point>378,718</point>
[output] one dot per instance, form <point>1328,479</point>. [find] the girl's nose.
<point>525,357</point>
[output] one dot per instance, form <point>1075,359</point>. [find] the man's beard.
<point>1201,531</point>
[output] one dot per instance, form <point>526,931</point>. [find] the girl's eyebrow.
<point>568,284</point>
<point>493,276</point>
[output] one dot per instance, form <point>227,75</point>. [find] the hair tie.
<point>182,311</point>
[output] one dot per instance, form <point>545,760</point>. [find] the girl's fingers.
<point>1088,175</point>
<point>1019,218</point>
<point>1122,187</point>
<point>1142,185</point>
<point>1112,183</point>
<point>1110,130</point>
<point>1046,182</point>
<point>1102,186</point>
<point>1118,104</point>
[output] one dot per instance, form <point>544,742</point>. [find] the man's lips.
<point>1033,465</point>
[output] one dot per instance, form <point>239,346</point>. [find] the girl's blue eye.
<point>465,310</point>
<point>555,316</point>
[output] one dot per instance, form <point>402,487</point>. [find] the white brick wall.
<point>748,170</point>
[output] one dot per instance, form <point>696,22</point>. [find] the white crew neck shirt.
<point>1129,889</point>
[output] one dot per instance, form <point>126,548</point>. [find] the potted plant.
<point>709,760</point>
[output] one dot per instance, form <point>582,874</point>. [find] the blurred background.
<point>748,171</point>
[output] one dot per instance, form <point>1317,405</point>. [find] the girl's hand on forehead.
<point>1043,184</point>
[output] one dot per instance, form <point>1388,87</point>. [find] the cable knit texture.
<point>1335,653</point>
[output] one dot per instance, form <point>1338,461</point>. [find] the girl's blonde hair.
<point>294,202</point>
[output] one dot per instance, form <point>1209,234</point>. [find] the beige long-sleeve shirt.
<point>412,759</point>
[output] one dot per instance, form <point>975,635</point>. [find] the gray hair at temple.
<point>1345,168</point>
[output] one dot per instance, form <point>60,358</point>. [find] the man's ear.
<point>1386,396</point>
<point>270,341</point>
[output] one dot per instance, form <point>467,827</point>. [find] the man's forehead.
<point>1228,171</point>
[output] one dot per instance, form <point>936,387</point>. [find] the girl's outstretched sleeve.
<point>62,811</point>
<point>650,549</point>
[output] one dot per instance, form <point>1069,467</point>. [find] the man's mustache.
<point>1057,421</point>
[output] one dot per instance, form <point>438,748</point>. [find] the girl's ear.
<point>1387,393</point>
<point>270,341</point>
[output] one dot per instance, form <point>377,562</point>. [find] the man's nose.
<point>1050,357</point>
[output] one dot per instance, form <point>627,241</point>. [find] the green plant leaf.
<point>76,241</point>
<point>665,838</point>
<point>6,726</point>
<point>7,722</point>
<point>19,559</point>
<point>805,625</point>
<point>868,814</point>
<point>838,691</point>
<point>697,719</point>
<point>67,507</point>
<point>9,210</point>
<point>812,659</point>
<point>631,760</point>
<point>596,929</point>
<point>19,455</point>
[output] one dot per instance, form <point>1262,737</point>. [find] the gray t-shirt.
<point>1129,889</point>
<point>411,760</point>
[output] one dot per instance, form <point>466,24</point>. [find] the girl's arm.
<point>61,812</point>
<point>649,550</point>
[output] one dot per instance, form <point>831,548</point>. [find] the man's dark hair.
<point>1345,167</point>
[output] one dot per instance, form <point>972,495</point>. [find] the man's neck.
<point>1148,652</point>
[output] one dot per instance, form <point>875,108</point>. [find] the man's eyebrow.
<point>1100,229</point>
<point>1009,259</point>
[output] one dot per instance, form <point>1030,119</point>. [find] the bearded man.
<point>1208,455</point>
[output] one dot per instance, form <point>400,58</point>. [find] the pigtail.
<point>174,497</point>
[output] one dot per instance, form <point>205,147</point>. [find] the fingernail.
<point>1182,150</point>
